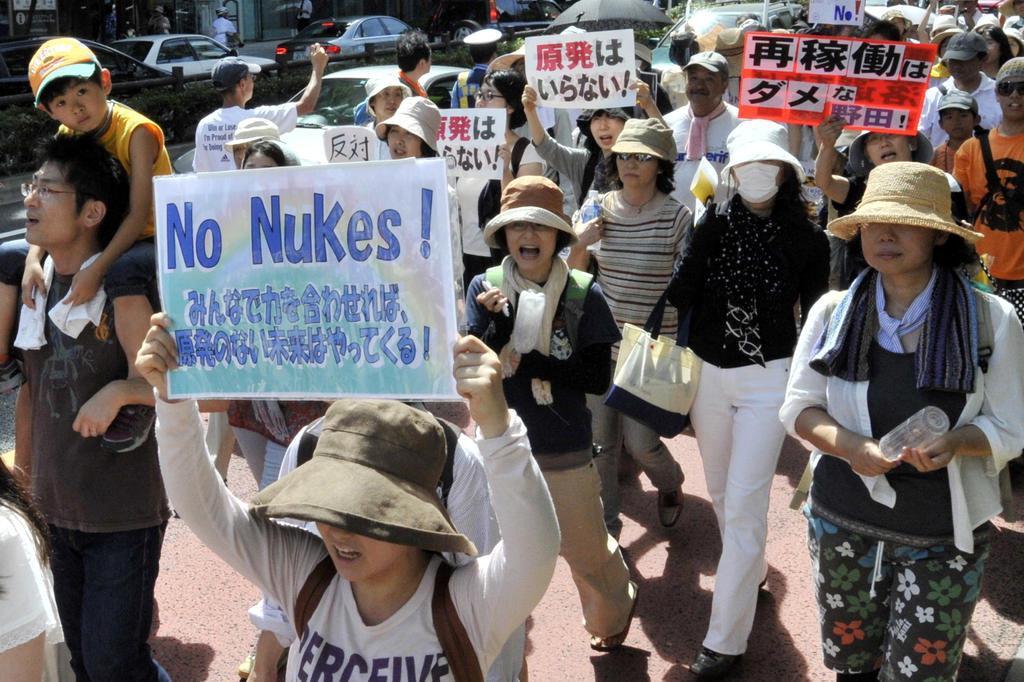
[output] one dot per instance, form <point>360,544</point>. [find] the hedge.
<point>176,111</point>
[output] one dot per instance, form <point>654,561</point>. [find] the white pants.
<point>736,420</point>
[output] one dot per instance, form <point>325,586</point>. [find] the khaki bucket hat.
<point>419,116</point>
<point>904,193</point>
<point>530,199</point>
<point>374,473</point>
<point>646,136</point>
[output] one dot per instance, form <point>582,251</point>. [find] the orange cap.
<point>60,58</point>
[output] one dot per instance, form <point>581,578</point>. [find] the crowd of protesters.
<point>382,533</point>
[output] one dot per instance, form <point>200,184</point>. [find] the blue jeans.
<point>103,583</point>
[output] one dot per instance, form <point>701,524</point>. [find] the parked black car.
<point>15,54</point>
<point>458,18</point>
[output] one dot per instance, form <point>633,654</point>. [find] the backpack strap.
<point>307,444</point>
<point>516,157</point>
<point>311,593</point>
<point>451,442</point>
<point>455,644</point>
<point>992,181</point>
<point>576,290</point>
<point>986,339</point>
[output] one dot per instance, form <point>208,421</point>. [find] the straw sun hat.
<point>374,472</point>
<point>904,193</point>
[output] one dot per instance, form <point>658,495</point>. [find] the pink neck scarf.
<point>697,140</point>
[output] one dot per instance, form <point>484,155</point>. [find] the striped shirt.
<point>637,255</point>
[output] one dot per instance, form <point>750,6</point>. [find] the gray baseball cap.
<point>955,99</point>
<point>964,46</point>
<point>229,71</point>
<point>712,61</point>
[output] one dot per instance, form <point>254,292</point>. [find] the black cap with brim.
<point>584,119</point>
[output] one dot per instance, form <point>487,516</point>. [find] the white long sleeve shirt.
<point>996,407</point>
<point>492,595</point>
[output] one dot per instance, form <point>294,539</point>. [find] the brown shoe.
<point>615,641</point>
<point>670,506</point>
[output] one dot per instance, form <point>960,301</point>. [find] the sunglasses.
<point>1007,88</point>
<point>639,158</point>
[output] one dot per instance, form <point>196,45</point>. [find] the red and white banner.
<point>872,84</point>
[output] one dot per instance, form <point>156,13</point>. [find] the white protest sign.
<point>302,283</point>
<point>343,144</point>
<point>469,140</point>
<point>841,12</point>
<point>583,70</point>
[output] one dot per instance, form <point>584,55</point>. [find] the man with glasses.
<point>964,56</point>
<point>106,511</point>
<point>994,186</point>
<point>234,79</point>
<point>702,126</point>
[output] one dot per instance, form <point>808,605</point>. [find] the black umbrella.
<point>606,15</point>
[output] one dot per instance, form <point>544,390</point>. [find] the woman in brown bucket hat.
<point>899,536</point>
<point>375,594</point>
<point>554,332</point>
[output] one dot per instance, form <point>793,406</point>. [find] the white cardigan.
<point>996,407</point>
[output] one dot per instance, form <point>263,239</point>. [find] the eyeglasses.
<point>1007,88</point>
<point>488,95</point>
<point>42,191</point>
<point>639,158</point>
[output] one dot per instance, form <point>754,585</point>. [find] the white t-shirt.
<point>305,9</point>
<point>717,153</point>
<point>984,95</point>
<point>218,127</point>
<point>469,506</point>
<point>468,191</point>
<point>27,606</point>
<point>222,26</point>
<point>493,594</point>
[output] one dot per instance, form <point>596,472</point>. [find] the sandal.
<point>615,641</point>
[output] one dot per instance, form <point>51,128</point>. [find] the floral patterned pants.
<point>915,625</point>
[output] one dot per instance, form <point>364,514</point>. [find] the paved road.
<point>204,632</point>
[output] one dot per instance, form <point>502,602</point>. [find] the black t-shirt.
<point>923,506</point>
<point>564,425</point>
<point>77,484</point>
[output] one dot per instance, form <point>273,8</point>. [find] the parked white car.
<point>195,53</point>
<point>343,91</point>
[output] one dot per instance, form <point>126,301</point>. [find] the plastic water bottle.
<point>920,430</point>
<point>590,210</point>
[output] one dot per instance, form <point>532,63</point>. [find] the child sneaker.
<point>130,428</point>
<point>10,375</point>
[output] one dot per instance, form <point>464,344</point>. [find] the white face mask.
<point>758,182</point>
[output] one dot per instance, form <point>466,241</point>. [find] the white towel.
<point>70,319</point>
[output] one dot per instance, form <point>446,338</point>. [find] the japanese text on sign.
<point>290,283</point>
<point>470,142</point>
<point>344,144</point>
<point>873,85</point>
<point>583,70</point>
